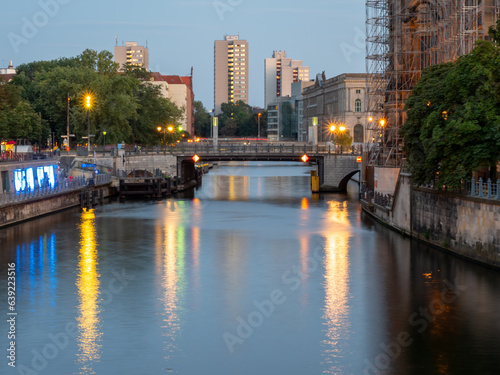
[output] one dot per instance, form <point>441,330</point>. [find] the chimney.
<point>10,65</point>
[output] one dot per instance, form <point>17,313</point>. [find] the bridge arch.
<point>343,183</point>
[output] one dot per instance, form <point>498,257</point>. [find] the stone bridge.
<point>334,167</point>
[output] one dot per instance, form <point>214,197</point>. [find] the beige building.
<point>132,54</point>
<point>180,91</point>
<point>339,100</point>
<point>279,74</point>
<point>7,73</point>
<point>230,71</point>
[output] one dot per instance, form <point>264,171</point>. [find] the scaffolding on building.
<point>403,38</point>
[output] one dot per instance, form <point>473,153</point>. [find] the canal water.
<point>248,274</point>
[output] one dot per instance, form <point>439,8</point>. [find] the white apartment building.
<point>132,54</point>
<point>279,74</point>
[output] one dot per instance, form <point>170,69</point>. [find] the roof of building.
<point>173,80</point>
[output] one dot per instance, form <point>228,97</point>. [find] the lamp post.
<point>336,131</point>
<point>88,105</point>
<point>159,128</point>
<point>258,124</point>
<point>104,141</point>
<point>382,124</point>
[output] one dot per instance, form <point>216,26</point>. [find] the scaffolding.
<point>403,38</point>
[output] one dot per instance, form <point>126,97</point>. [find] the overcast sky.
<point>326,35</point>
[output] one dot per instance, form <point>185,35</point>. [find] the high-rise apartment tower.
<point>230,71</point>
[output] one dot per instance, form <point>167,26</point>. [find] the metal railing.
<point>209,149</point>
<point>371,196</point>
<point>481,189</point>
<point>47,191</point>
<point>6,157</point>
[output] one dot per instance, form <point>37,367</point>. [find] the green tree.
<point>453,126</point>
<point>202,120</point>
<point>18,120</point>
<point>127,106</point>
<point>238,118</point>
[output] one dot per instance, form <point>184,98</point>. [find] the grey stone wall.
<point>467,226</point>
<point>336,167</point>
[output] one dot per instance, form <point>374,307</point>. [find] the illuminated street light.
<point>88,101</point>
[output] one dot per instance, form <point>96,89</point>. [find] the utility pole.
<point>67,123</point>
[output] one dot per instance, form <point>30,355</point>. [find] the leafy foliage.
<point>453,126</point>
<point>202,120</point>
<point>17,117</point>
<point>238,119</point>
<point>125,105</point>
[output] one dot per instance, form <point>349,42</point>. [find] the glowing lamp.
<point>195,158</point>
<point>304,158</point>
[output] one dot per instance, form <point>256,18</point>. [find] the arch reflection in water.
<point>89,320</point>
<point>336,263</point>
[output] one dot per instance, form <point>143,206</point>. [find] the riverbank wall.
<point>26,209</point>
<point>462,225</point>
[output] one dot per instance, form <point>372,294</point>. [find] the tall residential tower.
<point>230,71</point>
<point>132,54</point>
<point>280,73</point>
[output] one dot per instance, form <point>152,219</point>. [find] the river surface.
<point>248,274</point>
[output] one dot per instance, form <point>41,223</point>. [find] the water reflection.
<point>89,320</point>
<point>337,279</point>
<point>170,240</point>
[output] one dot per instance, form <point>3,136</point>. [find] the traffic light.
<point>304,158</point>
<point>195,158</point>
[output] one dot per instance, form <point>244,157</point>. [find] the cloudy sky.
<point>326,35</point>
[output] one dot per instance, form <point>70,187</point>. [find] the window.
<point>357,105</point>
<point>358,133</point>
<point>358,91</point>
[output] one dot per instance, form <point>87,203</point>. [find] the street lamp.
<point>336,131</point>
<point>104,141</point>
<point>258,124</point>
<point>382,123</point>
<point>88,105</point>
<point>159,128</point>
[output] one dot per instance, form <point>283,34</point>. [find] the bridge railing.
<point>48,191</point>
<point>210,149</point>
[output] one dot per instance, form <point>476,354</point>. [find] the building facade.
<point>7,73</point>
<point>285,116</point>
<point>180,91</point>
<point>297,89</point>
<point>132,54</point>
<point>340,100</point>
<point>279,74</point>
<point>230,71</point>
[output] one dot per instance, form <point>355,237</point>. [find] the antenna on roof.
<point>116,40</point>
<point>146,44</point>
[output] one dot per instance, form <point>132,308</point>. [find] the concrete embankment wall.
<point>466,226</point>
<point>164,162</point>
<point>17,212</point>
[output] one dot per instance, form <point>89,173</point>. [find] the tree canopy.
<point>239,120</point>
<point>453,125</point>
<point>124,104</point>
